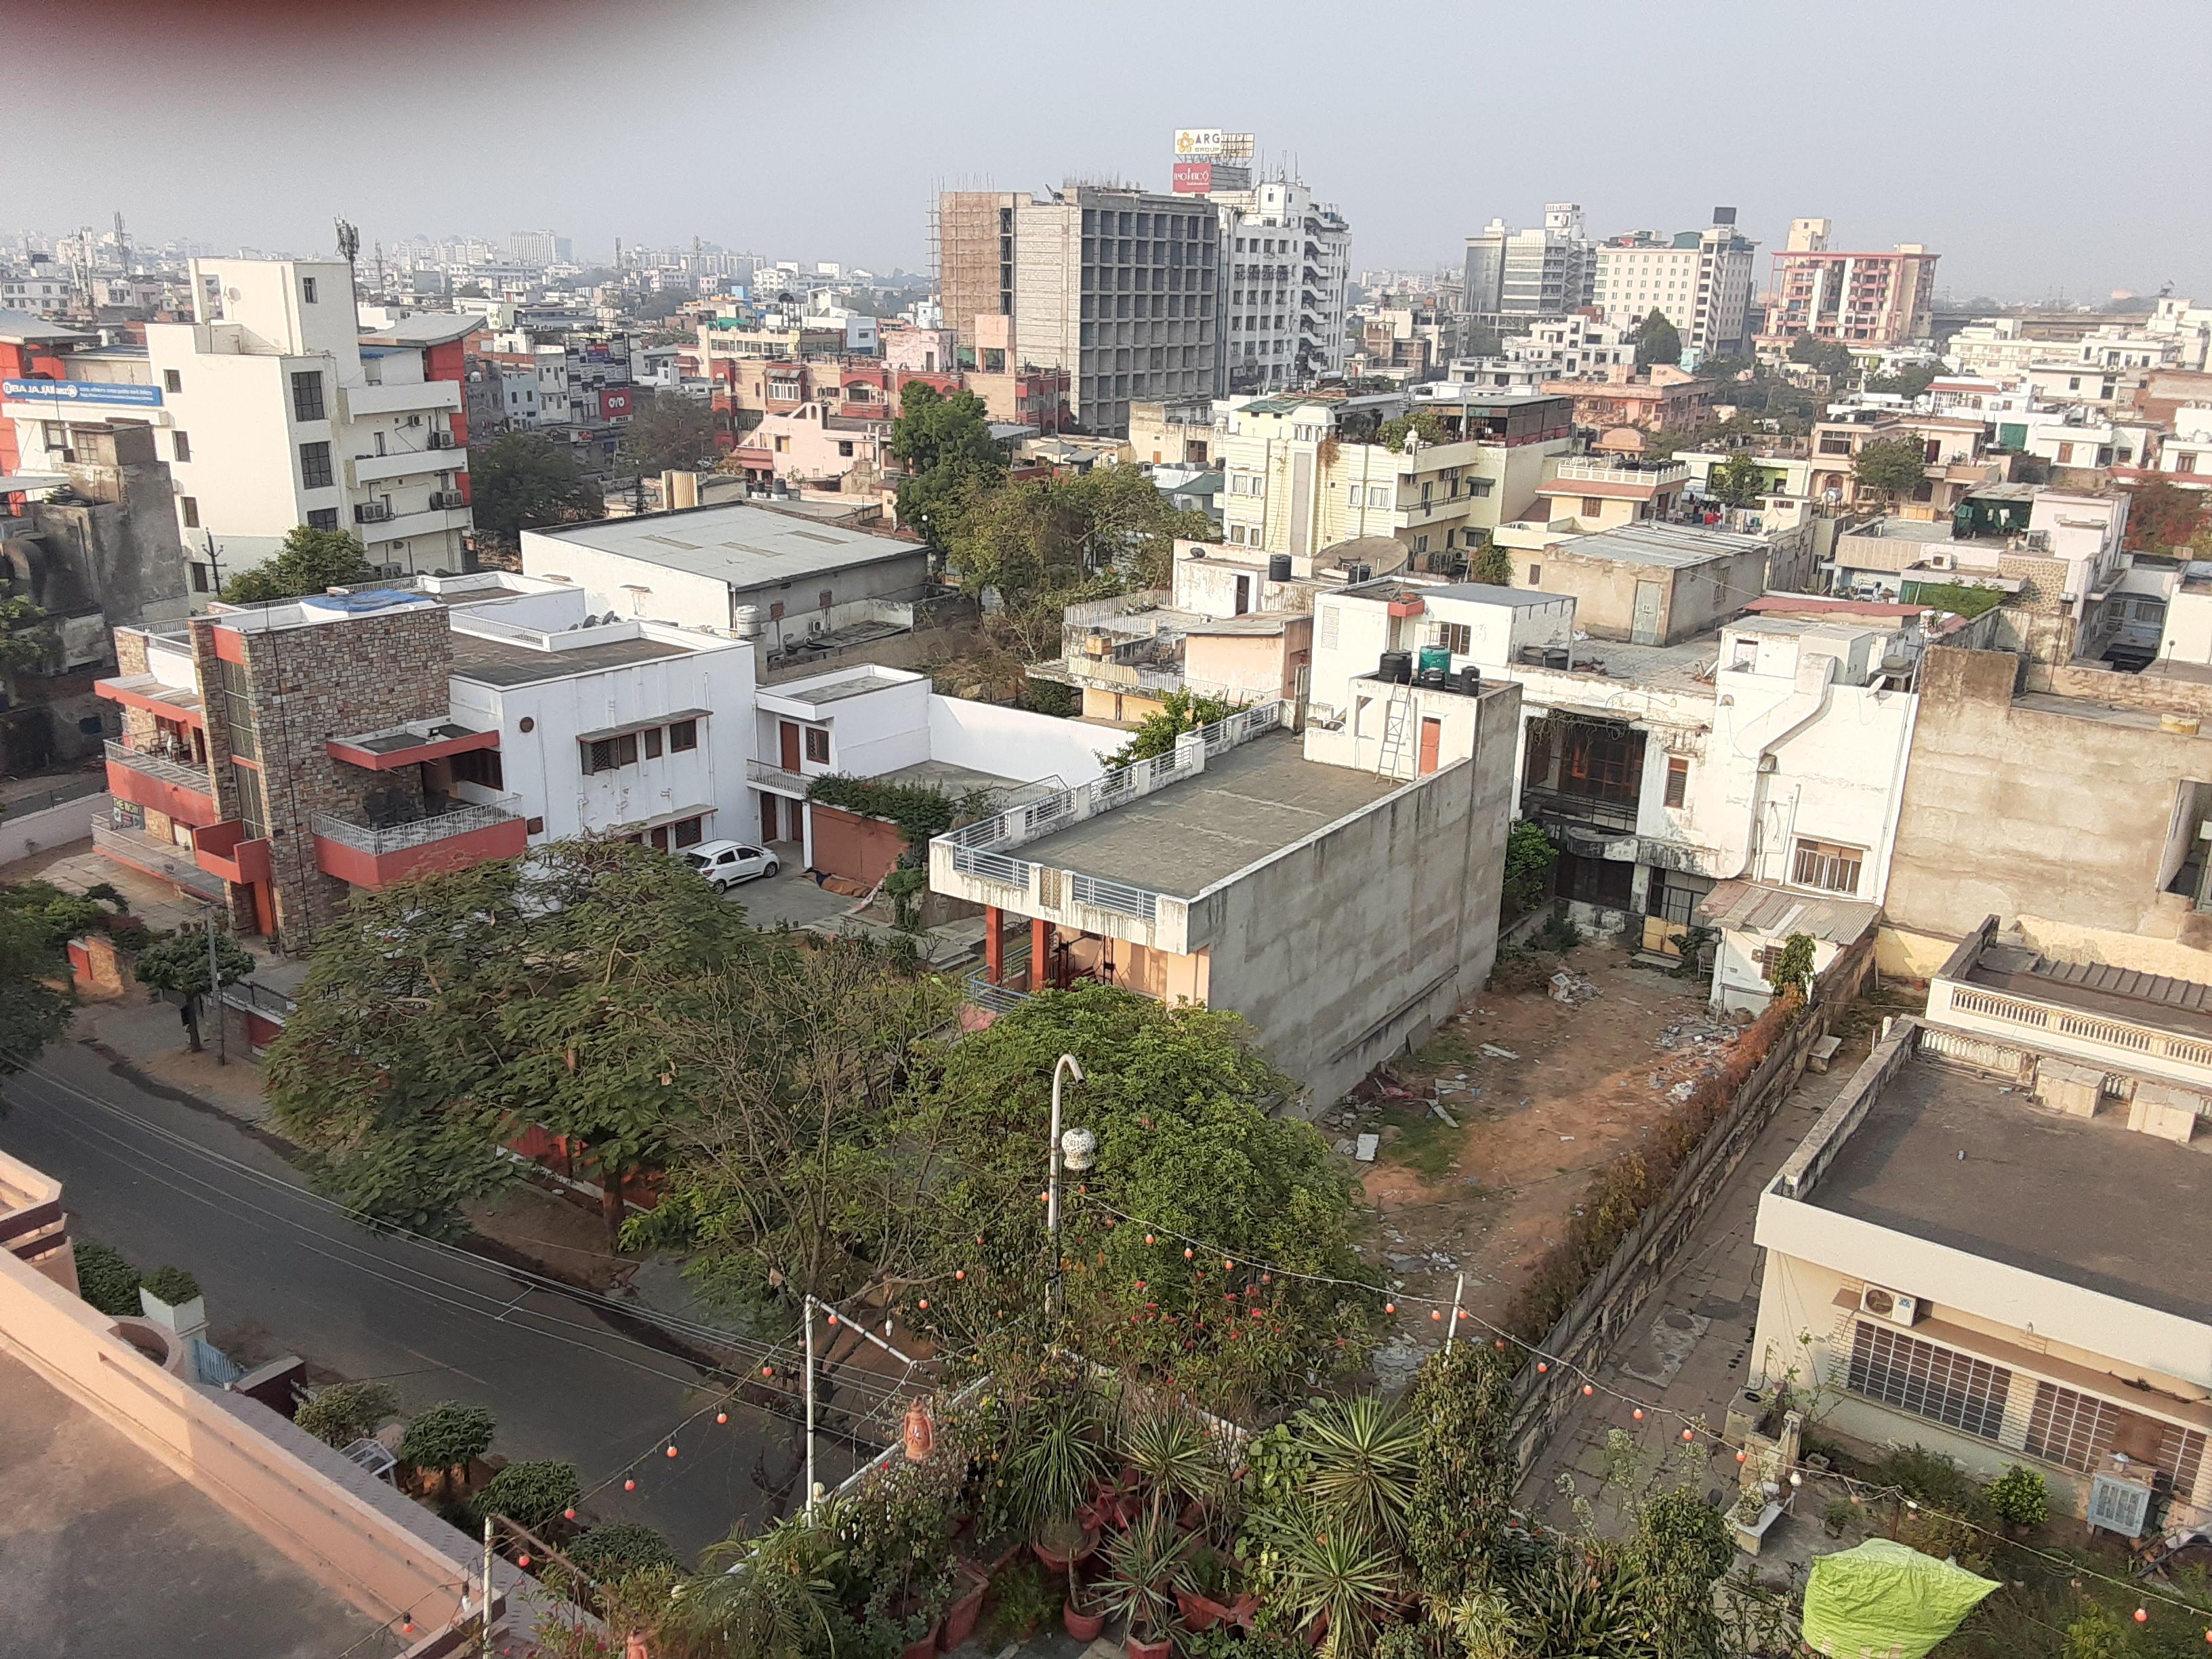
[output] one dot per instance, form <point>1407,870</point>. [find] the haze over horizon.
<point>819,133</point>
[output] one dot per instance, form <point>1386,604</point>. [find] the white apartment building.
<point>278,415</point>
<point>1536,272</point>
<point>1700,281</point>
<point>1570,348</point>
<point>1284,262</point>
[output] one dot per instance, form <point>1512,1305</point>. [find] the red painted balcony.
<point>376,857</point>
<point>223,849</point>
<point>182,791</point>
<point>406,745</point>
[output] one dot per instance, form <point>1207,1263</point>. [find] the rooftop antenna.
<point>349,245</point>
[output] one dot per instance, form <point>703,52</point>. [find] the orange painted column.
<point>1040,949</point>
<point>995,947</point>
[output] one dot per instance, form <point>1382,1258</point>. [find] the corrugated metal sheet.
<point>1777,912</point>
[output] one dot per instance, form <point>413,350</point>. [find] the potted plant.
<point>1021,1600</point>
<point>1203,1589</point>
<point>1084,1614</point>
<point>1055,1461</point>
<point>965,1606</point>
<point>1175,1461</point>
<point>1838,1516</point>
<point>171,1297</point>
<point>2020,1499</point>
<point>1141,1570</point>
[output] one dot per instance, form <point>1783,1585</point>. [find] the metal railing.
<point>251,996</point>
<point>183,776</point>
<point>997,998</point>
<point>992,867</point>
<point>775,777</point>
<point>142,852</point>
<point>1579,808</point>
<point>77,788</point>
<point>1118,897</point>
<point>419,832</point>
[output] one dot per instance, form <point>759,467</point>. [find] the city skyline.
<point>1696,100</point>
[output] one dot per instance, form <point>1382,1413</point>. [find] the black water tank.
<point>1557,656</point>
<point>1357,573</point>
<point>1279,567</point>
<point>1435,679</point>
<point>1469,679</point>
<point>1397,667</point>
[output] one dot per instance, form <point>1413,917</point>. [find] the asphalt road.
<point>168,1180</point>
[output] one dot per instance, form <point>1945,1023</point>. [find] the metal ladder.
<point>1397,715</point>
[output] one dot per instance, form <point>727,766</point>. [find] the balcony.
<point>375,858</point>
<point>160,859</point>
<point>361,400</point>
<point>182,792</point>
<point>400,523</point>
<point>225,850</point>
<point>776,778</point>
<point>1649,475</point>
<point>400,464</point>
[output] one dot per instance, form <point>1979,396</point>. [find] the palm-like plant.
<point>1058,1458</point>
<point>1577,1602</point>
<point>1366,1455</point>
<point>1179,1459</point>
<point>1141,1565</point>
<point>768,1596</point>
<point>1323,1565</point>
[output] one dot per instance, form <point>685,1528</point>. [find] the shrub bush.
<point>108,1282</point>
<point>533,1494</point>
<point>619,1547</point>
<point>347,1411</point>
<point>173,1285</point>
<point>1021,1603</point>
<point>446,1435</point>
<point>2019,1496</point>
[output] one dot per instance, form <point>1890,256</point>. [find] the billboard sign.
<point>61,392</point>
<point>1193,178</point>
<point>1194,142</point>
<point>614,403</point>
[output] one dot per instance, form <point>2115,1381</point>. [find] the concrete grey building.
<point>1537,272</point>
<point>1119,287</point>
<point>1346,910</point>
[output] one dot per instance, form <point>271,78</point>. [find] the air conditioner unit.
<point>1939,561</point>
<point>1899,1310</point>
<point>2118,1505</point>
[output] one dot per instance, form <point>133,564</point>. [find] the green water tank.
<point>1435,656</point>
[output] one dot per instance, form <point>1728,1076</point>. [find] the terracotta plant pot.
<point>1154,1650</point>
<point>960,1616</point>
<point>1243,1610</point>
<point>1058,1562</point>
<point>1198,1612</point>
<point>922,1647</point>
<point>1082,1626</point>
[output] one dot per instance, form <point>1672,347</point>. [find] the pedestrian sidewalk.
<point>1689,1352</point>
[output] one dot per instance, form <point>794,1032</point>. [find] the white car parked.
<point>726,863</point>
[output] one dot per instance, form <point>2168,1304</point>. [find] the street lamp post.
<point>1076,1150</point>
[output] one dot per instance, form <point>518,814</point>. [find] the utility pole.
<point>809,1322</point>
<point>1459,1288</point>
<point>484,1613</point>
<point>215,991</point>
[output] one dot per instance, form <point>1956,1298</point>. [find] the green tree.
<point>178,965</point>
<point>1657,340</point>
<point>1892,468</point>
<point>1792,967</point>
<point>1530,856</point>
<point>453,1011</point>
<point>1479,340</point>
<point>1462,1401</point>
<point>1189,1159</point>
<point>1954,597</point>
<point>445,1437</point>
<point>1491,565</point>
<point>524,481</point>
<point>1830,357</point>
<point>56,914</point>
<point>532,1493</point>
<point>668,431</point>
<point>346,1412</point>
<point>106,1280</point>
<point>1739,480</point>
<point>1182,711</point>
<point>2162,516</point>
<point>1908,382</point>
<point>944,445</point>
<point>1014,540</point>
<point>1681,1548</point>
<point>26,639</point>
<point>308,562</point>
<point>1423,423</point>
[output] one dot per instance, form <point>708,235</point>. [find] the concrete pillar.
<point>1040,949</point>
<point>994,946</point>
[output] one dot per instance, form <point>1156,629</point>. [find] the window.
<point>818,744</point>
<point>1535,575</point>
<point>172,381</point>
<point>1940,1385</point>
<point>308,289</point>
<point>307,395</point>
<point>687,832</point>
<point>682,735</point>
<point>480,766</point>
<point>235,693</point>
<point>199,579</point>
<point>184,445</point>
<point>653,736</point>
<point>1678,781</point>
<point>251,811</point>
<point>315,466</point>
<point>1827,866</point>
<point>823,599</point>
<point>606,754</point>
<point>322,518</point>
<point>1456,637</point>
<point>190,506</point>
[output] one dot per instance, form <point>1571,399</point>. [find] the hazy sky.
<point>2038,147</point>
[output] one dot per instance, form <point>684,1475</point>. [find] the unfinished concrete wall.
<point>1694,600</point>
<point>1353,945</point>
<point>2061,817</point>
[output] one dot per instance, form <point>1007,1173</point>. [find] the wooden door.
<point>788,733</point>
<point>1432,735</point>
<point>767,818</point>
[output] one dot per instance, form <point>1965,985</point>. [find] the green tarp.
<point>1882,1600</point>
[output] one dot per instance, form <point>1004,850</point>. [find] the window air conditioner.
<point>1878,1304</point>
<point>2118,1505</point>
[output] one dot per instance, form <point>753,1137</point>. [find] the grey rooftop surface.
<point>495,662</point>
<point>1485,593</point>
<point>1667,546</point>
<point>742,544</point>
<point>2083,1201</point>
<point>1248,804</point>
<point>108,1553</point>
<point>2180,1005</point>
<point>858,684</point>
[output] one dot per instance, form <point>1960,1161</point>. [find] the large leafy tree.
<point>524,481</point>
<point>1830,357</point>
<point>1189,1158</point>
<point>1739,480</point>
<point>2162,517</point>
<point>668,431</point>
<point>1891,468</point>
<point>1032,540</point>
<point>454,1011</point>
<point>36,921</point>
<point>1657,340</point>
<point>944,446</point>
<point>179,965</point>
<point>309,561</point>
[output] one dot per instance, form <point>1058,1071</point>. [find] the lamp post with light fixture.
<point>1077,1151</point>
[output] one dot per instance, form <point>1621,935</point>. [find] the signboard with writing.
<point>1198,141</point>
<point>60,392</point>
<point>613,402</point>
<point>1193,178</point>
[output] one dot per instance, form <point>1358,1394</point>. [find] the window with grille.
<point>2077,1431</point>
<point>606,754</point>
<point>1678,781</point>
<point>315,466</point>
<point>307,395</point>
<point>236,690</point>
<point>818,744</point>
<point>1825,865</point>
<point>1940,1385</point>
<point>1458,638</point>
<point>249,810</point>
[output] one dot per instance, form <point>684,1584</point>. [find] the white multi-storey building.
<point>278,415</point>
<point>1284,261</point>
<point>1701,281</point>
<point>1544,273</point>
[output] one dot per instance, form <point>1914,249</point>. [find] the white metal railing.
<point>419,832</point>
<point>145,853</point>
<point>1118,897</point>
<point>2083,1028</point>
<point>1582,470</point>
<point>160,766</point>
<point>997,998</point>
<point>775,777</point>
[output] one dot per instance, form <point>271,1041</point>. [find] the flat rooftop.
<point>1248,804</point>
<point>2180,1006</point>
<point>1484,593</point>
<point>496,662</point>
<point>2083,1201</point>
<point>944,775</point>
<point>1671,546</point>
<point>194,1583</point>
<point>857,684</point>
<point>740,544</point>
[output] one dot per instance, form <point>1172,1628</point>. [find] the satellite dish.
<point>232,294</point>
